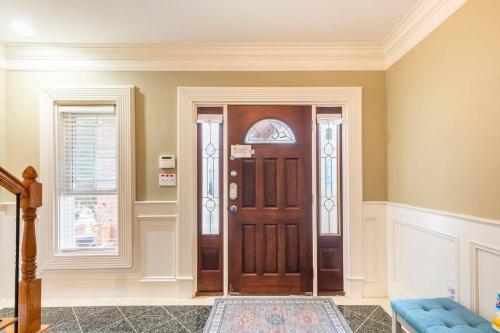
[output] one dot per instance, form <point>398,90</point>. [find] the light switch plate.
<point>167,179</point>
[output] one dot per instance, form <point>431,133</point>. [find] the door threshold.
<point>309,293</point>
<point>331,293</point>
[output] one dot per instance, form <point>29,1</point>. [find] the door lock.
<point>233,191</point>
<point>233,209</point>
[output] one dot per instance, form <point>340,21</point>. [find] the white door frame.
<point>349,98</point>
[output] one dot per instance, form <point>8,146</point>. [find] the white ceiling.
<point>201,21</point>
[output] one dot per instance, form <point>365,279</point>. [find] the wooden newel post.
<point>30,287</point>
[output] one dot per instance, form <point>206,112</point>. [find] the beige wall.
<point>443,101</point>
<point>156,115</point>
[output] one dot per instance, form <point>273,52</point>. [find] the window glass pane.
<point>88,155</point>
<point>328,198</point>
<point>88,222</point>
<point>270,131</point>
<point>210,154</point>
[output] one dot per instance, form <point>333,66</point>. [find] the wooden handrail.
<point>30,286</point>
<point>11,183</point>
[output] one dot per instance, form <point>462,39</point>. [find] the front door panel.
<point>269,220</point>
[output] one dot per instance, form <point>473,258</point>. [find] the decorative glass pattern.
<point>270,131</point>
<point>328,143</point>
<point>210,154</point>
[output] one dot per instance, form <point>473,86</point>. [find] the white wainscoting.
<point>157,241</point>
<point>374,249</point>
<point>430,252</point>
<point>408,252</point>
<point>152,280</point>
<point>7,252</point>
<point>155,278</point>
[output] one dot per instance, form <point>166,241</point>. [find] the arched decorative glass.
<point>270,131</point>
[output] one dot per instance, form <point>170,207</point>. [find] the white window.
<point>88,178</point>
<point>87,159</point>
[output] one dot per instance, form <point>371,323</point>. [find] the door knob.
<point>233,209</point>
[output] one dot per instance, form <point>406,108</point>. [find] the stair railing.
<point>28,296</point>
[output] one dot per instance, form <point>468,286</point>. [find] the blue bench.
<point>436,315</point>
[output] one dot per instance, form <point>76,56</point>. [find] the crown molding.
<point>420,21</point>
<point>195,57</point>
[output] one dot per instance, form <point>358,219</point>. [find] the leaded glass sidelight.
<point>270,131</point>
<point>328,153</point>
<point>210,177</point>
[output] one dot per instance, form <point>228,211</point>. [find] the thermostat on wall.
<point>167,161</point>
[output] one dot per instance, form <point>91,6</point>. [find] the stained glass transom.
<point>328,144</point>
<point>210,154</point>
<point>270,131</point>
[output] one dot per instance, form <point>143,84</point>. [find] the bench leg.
<point>396,325</point>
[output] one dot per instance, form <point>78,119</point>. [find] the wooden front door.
<point>270,193</point>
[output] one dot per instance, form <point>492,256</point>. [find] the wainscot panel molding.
<point>154,279</point>
<point>374,249</point>
<point>433,253</point>
<point>394,245</point>
<point>422,19</point>
<point>438,251</point>
<point>485,262</point>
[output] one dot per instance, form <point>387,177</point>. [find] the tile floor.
<point>173,318</point>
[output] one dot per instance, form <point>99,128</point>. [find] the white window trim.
<point>123,98</point>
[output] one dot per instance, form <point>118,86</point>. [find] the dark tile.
<point>179,310</point>
<point>53,309</point>
<point>371,326</point>
<point>172,326</point>
<point>84,311</point>
<point>381,316</point>
<point>69,327</point>
<point>194,320</point>
<point>7,312</point>
<point>363,310</point>
<point>130,311</point>
<point>119,327</point>
<point>100,320</point>
<point>57,316</point>
<point>150,319</point>
<point>353,319</point>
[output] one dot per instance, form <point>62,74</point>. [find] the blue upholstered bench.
<point>436,315</point>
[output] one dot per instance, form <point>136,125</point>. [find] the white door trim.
<point>349,98</point>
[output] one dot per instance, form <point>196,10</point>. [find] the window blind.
<point>87,174</point>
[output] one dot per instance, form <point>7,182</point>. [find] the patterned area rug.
<point>275,315</point>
